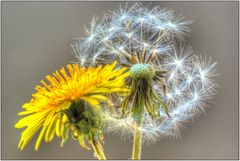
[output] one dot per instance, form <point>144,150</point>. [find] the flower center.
<point>146,71</point>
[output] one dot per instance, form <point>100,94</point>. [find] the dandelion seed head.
<point>156,33</point>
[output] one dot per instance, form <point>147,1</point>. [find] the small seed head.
<point>146,71</point>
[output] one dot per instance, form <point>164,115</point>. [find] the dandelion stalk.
<point>137,141</point>
<point>98,150</point>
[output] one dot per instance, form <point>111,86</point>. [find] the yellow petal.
<point>39,140</point>
<point>58,127</point>
<point>99,97</point>
<point>51,129</point>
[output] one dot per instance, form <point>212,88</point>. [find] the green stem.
<point>98,150</point>
<point>137,142</point>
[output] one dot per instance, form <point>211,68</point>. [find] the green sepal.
<point>64,135</point>
<point>82,142</point>
<point>84,127</point>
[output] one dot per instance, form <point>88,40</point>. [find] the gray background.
<point>36,41</point>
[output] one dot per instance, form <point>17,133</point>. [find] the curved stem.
<point>137,142</point>
<point>98,150</point>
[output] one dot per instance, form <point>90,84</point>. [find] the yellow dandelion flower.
<point>65,88</point>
